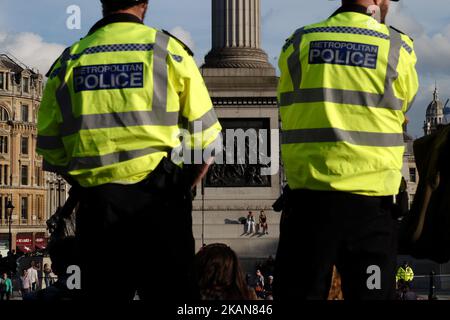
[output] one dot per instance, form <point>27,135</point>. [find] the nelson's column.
<point>242,84</point>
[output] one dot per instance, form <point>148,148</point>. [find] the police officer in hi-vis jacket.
<point>345,86</point>
<point>112,112</point>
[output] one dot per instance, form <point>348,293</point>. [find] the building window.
<point>4,116</point>
<point>5,174</point>
<point>38,176</point>
<point>24,208</point>
<point>3,205</point>
<point>26,85</point>
<point>24,175</point>
<point>413,175</point>
<point>25,115</point>
<point>4,81</point>
<point>39,208</point>
<point>3,145</point>
<point>25,142</point>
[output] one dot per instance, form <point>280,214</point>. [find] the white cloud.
<point>31,49</point>
<point>184,36</point>
<point>432,50</point>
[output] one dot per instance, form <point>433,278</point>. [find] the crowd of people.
<point>220,276</point>
<point>20,272</point>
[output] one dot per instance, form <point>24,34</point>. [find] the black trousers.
<point>136,238</point>
<point>323,229</point>
<point>5,294</point>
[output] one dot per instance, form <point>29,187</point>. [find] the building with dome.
<point>32,194</point>
<point>437,114</point>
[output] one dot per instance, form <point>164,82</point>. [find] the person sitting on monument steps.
<point>219,274</point>
<point>250,223</point>
<point>263,227</point>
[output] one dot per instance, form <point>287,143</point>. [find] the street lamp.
<point>59,181</point>
<point>9,209</point>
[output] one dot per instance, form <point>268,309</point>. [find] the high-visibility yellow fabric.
<point>405,274</point>
<point>115,103</point>
<point>345,86</point>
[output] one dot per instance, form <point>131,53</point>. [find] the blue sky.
<point>35,32</point>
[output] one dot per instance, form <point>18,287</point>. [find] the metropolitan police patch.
<point>109,77</point>
<point>344,53</point>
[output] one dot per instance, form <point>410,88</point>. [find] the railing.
<point>432,286</point>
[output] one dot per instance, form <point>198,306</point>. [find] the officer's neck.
<point>362,3</point>
<point>348,7</point>
<point>135,11</point>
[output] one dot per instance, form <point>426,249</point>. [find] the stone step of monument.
<point>234,205</point>
<point>234,231</point>
<point>231,217</point>
<point>255,248</point>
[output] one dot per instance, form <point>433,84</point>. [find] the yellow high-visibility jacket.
<point>345,86</point>
<point>116,101</point>
<point>405,274</point>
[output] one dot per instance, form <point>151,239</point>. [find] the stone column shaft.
<point>236,23</point>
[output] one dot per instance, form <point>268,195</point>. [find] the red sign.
<point>40,241</point>
<point>24,242</point>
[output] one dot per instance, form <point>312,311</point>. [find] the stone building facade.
<point>22,180</point>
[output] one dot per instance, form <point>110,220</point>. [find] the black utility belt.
<point>167,175</point>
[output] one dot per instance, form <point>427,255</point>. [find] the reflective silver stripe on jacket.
<point>294,62</point>
<point>389,98</point>
<point>372,139</point>
<point>352,97</point>
<point>207,121</point>
<point>83,163</point>
<point>63,96</point>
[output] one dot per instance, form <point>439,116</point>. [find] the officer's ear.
<point>143,7</point>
